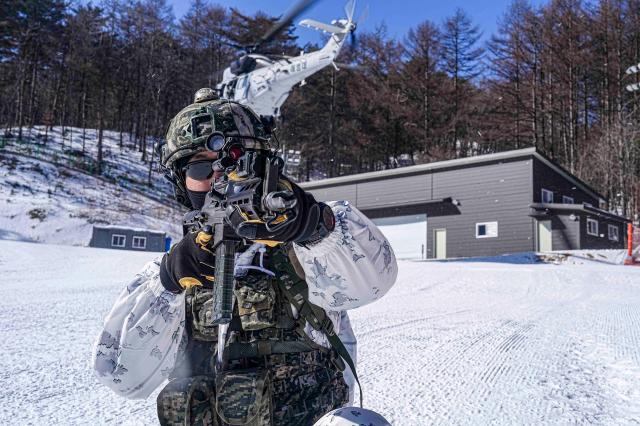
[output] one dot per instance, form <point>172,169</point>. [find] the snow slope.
<point>499,341</point>
<point>45,202</point>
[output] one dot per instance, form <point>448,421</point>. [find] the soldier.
<point>281,359</point>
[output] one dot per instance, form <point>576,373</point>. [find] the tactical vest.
<point>273,373</point>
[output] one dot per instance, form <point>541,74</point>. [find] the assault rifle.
<point>250,184</point>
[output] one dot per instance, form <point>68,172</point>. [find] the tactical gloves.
<point>189,263</point>
<point>308,221</point>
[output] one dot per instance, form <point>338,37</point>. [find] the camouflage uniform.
<point>276,371</point>
<point>257,386</point>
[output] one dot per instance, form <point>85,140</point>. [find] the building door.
<point>406,234</point>
<point>544,235</point>
<point>440,242</point>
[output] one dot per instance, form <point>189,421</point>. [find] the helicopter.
<point>264,83</point>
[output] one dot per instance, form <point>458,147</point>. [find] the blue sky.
<point>399,16</point>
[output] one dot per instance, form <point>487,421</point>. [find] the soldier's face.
<point>196,183</point>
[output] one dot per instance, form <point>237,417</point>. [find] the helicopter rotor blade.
<point>283,22</point>
<point>352,35</point>
<point>349,8</point>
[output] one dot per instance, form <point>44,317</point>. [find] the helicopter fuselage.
<point>267,87</point>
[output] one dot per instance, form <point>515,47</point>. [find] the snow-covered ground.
<point>491,341</point>
<point>44,202</point>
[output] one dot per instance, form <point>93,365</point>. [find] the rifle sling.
<point>296,292</point>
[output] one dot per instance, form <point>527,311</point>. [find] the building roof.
<point>460,162</point>
<point>127,228</point>
<point>586,208</point>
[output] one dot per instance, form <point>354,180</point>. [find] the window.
<point>547,196</point>
<point>487,230</point>
<point>613,232</point>
<point>139,242</point>
<point>592,227</point>
<point>567,200</point>
<point>118,240</point>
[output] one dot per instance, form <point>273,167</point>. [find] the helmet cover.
<point>352,416</point>
<point>190,129</point>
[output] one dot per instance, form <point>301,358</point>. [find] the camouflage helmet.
<point>192,127</point>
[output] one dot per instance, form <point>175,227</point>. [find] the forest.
<point>551,77</point>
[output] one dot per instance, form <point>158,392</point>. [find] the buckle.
<point>338,362</point>
<point>327,326</point>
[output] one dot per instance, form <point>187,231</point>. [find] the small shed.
<point>123,238</point>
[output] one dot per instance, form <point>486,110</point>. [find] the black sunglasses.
<point>200,170</point>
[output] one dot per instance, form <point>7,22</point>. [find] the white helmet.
<point>352,416</point>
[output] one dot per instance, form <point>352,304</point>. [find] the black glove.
<point>189,263</point>
<point>312,221</point>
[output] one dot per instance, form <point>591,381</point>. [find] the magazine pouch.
<point>243,397</point>
<point>201,301</point>
<point>256,298</point>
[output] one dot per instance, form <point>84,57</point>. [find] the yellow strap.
<point>234,177</point>
<point>188,282</point>
<point>270,243</point>
<point>253,221</point>
<point>280,219</point>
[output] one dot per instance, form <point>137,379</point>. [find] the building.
<point>128,239</point>
<point>487,205</point>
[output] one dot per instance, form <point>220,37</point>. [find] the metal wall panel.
<point>499,192</point>
<point>601,242</point>
<point>391,192</point>
<point>565,233</point>
<point>547,178</point>
<point>342,192</point>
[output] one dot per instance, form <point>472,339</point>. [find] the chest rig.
<point>269,315</point>
<point>280,374</point>
<point>263,321</point>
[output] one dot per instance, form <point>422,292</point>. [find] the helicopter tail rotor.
<point>351,23</point>
<point>349,8</point>
<point>363,16</point>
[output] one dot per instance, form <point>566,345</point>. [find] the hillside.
<point>477,342</point>
<point>48,194</point>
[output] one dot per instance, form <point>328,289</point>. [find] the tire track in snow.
<point>473,352</point>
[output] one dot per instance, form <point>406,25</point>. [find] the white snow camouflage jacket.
<point>144,334</point>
